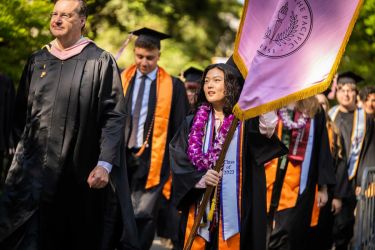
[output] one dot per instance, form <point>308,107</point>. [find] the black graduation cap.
<point>233,65</point>
<point>349,77</point>
<point>150,36</point>
<point>193,74</point>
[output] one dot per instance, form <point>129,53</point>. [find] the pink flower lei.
<point>204,161</point>
<point>287,122</point>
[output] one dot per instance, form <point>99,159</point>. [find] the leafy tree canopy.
<point>359,56</point>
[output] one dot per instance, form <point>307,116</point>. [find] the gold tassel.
<point>213,206</point>
<point>142,149</point>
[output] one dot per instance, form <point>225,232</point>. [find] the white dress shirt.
<point>144,109</point>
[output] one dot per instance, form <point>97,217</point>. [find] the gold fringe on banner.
<point>313,90</point>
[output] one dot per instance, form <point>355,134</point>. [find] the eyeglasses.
<point>349,91</point>
<point>64,16</point>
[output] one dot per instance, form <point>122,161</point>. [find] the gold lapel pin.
<point>43,73</point>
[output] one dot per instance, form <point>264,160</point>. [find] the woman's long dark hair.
<point>232,82</point>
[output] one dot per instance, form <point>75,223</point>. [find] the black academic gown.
<point>257,150</point>
<point>367,157</point>
<point>344,221</point>
<point>322,235</point>
<point>344,121</point>
<point>146,203</point>
<point>72,115</point>
<point>7,96</point>
<point>292,225</point>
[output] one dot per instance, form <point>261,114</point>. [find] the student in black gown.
<point>67,187</point>
<point>357,130</point>
<point>239,200</point>
<point>367,96</point>
<point>158,104</point>
<point>309,172</point>
<point>193,77</point>
<point>323,237</point>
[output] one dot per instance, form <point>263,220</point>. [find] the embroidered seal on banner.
<point>289,30</point>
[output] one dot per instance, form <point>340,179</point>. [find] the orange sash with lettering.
<point>164,92</point>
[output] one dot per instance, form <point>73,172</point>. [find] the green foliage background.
<point>201,29</point>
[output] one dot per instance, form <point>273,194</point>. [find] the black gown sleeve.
<point>20,106</point>
<point>262,148</point>
<point>367,156</point>
<point>180,106</point>
<point>184,174</point>
<point>326,174</point>
<point>111,110</point>
<point>342,188</point>
<point>8,111</point>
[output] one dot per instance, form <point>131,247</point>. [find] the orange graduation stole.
<point>290,188</point>
<point>164,92</point>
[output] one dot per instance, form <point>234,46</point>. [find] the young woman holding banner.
<point>235,217</point>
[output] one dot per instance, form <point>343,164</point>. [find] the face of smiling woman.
<point>214,88</point>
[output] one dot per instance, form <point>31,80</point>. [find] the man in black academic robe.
<point>257,149</point>
<point>7,96</point>
<point>352,122</point>
<point>70,107</point>
<point>139,149</point>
